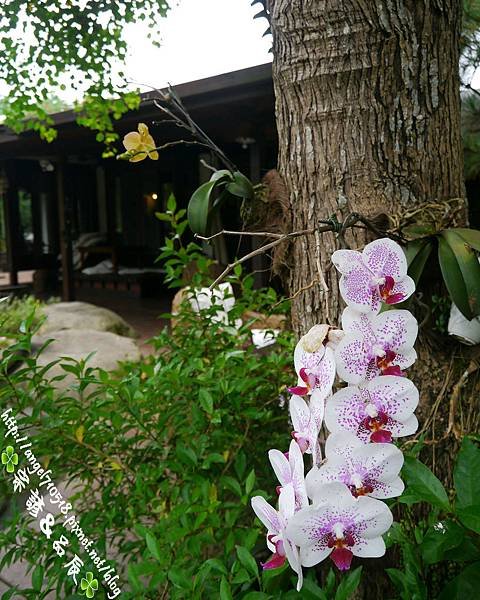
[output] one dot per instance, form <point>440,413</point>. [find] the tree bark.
<point>368,116</point>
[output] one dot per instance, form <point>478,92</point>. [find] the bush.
<point>164,456</point>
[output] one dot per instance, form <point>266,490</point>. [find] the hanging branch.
<point>332,224</point>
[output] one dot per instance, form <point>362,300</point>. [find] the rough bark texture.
<point>368,115</point>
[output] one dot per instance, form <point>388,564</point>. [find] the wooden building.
<point>52,194</point>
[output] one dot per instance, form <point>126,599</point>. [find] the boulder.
<point>108,349</point>
<point>82,315</point>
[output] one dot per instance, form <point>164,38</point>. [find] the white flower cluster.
<point>336,510</point>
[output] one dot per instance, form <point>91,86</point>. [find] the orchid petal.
<point>266,513</point>
<point>351,358</point>
<point>375,517</point>
<point>281,466</point>
<point>385,257</point>
<point>370,548</point>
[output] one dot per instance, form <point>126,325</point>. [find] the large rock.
<point>81,315</point>
<point>108,349</point>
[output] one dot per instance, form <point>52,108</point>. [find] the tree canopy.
<point>49,45</point>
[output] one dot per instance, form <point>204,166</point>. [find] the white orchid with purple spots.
<point>276,522</point>
<point>366,469</point>
<point>290,470</point>
<point>307,420</point>
<point>346,516</point>
<point>340,526</point>
<point>376,275</point>
<point>377,411</point>
<point>375,344</point>
<point>315,369</point>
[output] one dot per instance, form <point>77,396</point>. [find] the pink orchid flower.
<point>366,469</point>
<point>377,411</point>
<point>375,344</point>
<point>290,470</point>
<point>340,526</point>
<point>376,275</point>
<point>276,522</point>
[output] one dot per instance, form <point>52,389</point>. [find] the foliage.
<point>16,310</point>
<point>158,455</point>
<point>471,134</point>
<point>458,261</point>
<point>47,46</point>
<point>440,554</point>
<point>207,199</point>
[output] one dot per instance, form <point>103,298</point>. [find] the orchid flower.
<point>140,144</point>
<point>307,420</point>
<point>376,275</point>
<point>375,344</point>
<point>276,522</point>
<point>315,368</point>
<point>366,469</point>
<point>289,469</point>
<point>377,411</point>
<point>340,526</point>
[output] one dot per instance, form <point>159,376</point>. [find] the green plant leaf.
<point>461,272</point>
<point>470,517</point>
<point>465,586</point>
<point>440,538</point>
<point>422,485</point>
<point>247,560</point>
<point>453,278</point>
<point>466,474</point>
<point>37,578</point>
<point>349,584</point>
<point>417,253</point>
<point>153,546</point>
<point>470,236</point>
<point>225,591</point>
<point>199,207</point>
<point>206,400</point>
<point>241,186</point>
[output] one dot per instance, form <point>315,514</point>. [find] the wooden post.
<point>68,289</point>
<point>12,224</point>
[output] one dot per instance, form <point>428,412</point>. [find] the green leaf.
<point>417,253</point>
<point>186,455</point>
<point>465,586</point>
<point>349,584</point>
<point>247,560</point>
<point>152,545</point>
<point>422,485</point>
<point>461,272</point>
<point>199,207</point>
<point>225,591</point>
<point>440,538</point>
<point>241,186</point>
<point>37,578</point>
<point>216,564</point>
<point>250,482</point>
<point>466,474</point>
<point>171,203</point>
<point>206,400</point>
<point>470,236</point>
<point>470,517</point>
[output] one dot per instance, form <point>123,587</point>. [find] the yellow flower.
<point>140,144</point>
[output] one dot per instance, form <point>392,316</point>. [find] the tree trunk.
<point>368,116</point>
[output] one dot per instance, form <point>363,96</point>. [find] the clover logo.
<point>9,459</point>
<point>89,585</point>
